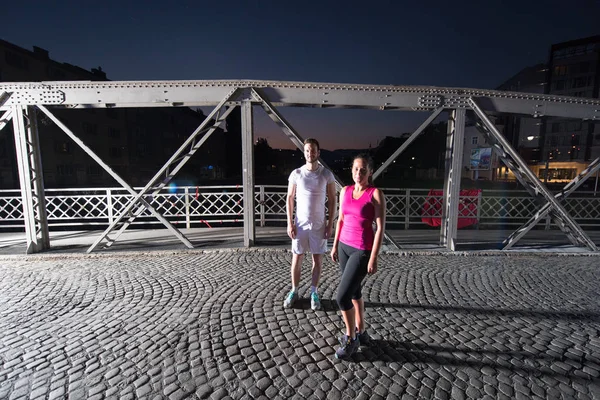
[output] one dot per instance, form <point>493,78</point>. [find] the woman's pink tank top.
<point>359,215</point>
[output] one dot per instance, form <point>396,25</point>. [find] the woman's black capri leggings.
<point>353,263</point>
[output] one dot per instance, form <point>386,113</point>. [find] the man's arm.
<point>289,208</point>
<point>331,205</point>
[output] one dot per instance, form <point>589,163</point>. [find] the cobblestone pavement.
<point>194,324</point>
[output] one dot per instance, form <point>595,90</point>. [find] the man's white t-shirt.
<point>311,192</point>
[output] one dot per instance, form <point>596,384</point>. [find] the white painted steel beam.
<point>32,186</point>
<point>81,94</point>
<point>42,232</point>
<point>5,119</point>
<point>454,154</point>
<point>248,173</point>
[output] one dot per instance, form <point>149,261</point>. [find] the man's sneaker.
<point>347,348</point>
<point>290,299</point>
<point>364,338</point>
<point>315,303</point>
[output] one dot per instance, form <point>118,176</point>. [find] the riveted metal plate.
<point>430,101</point>
<point>36,96</point>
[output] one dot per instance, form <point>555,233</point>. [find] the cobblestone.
<point>211,325</point>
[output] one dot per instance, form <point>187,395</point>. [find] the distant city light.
<point>172,187</point>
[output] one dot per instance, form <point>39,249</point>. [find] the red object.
<point>467,207</point>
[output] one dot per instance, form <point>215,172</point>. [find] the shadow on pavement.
<point>537,365</point>
<point>540,314</point>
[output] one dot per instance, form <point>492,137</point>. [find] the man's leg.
<point>292,296</point>
<point>317,260</point>
<point>315,301</point>
<point>318,247</point>
<point>295,271</point>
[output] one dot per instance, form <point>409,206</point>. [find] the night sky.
<point>477,44</point>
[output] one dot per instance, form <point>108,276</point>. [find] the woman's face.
<point>361,171</point>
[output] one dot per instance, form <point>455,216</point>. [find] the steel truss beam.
<point>324,95</point>
<point>178,160</point>
<point>112,173</point>
<point>248,173</point>
<point>5,119</point>
<point>170,174</point>
<point>528,185</point>
<point>566,223</point>
<point>299,142</point>
<point>79,94</point>
<point>454,154</point>
<point>546,208</point>
<point>31,178</point>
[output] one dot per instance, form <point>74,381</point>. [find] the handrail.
<point>192,206</point>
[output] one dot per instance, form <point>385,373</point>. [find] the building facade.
<point>134,142</point>
<point>568,145</point>
<point>556,149</point>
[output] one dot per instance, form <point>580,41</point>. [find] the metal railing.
<point>211,206</point>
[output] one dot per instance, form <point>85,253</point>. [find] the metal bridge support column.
<point>248,173</point>
<point>31,179</point>
<point>454,153</point>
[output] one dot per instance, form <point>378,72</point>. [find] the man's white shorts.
<point>309,240</point>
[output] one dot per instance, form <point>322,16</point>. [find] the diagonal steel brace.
<point>539,186</point>
<point>165,168</point>
<point>171,174</point>
<point>546,208</point>
<point>112,173</point>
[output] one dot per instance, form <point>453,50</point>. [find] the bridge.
<point>18,102</point>
<point>208,322</point>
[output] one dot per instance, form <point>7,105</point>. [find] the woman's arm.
<point>338,228</point>
<point>379,203</point>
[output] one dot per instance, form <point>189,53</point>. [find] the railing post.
<point>407,210</point>
<point>262,205</point>
<point>187,208</point>
<point>479,200</point>
<point>109,205</point>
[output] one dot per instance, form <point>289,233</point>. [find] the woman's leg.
<point>357,300</point>
<point>349,287</point>
<point>359,319</point>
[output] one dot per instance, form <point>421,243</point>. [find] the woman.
<point>357,246</point>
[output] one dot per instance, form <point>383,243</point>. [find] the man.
<point>308,185</point>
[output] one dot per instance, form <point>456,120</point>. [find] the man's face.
<point>311,153</point>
